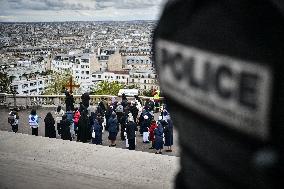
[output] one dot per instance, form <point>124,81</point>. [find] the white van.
<point>128,92</point>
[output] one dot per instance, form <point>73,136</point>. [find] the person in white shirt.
<point>33,122</point>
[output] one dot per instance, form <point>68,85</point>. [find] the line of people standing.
<point>125,117</point>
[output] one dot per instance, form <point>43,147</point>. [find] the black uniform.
<point>220,65</point>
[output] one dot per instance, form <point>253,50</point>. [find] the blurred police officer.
<point>220,65</point>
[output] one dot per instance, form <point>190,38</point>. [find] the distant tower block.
<point>48,63</point>
<point>115,62</point>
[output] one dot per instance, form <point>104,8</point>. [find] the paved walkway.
<point>37,162</point>
<point>25,129</point>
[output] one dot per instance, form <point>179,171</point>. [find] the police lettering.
<point>222,79</point>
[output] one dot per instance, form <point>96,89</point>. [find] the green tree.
<point>5,83</point>
<point>148,93</point>
<point>59,81</point>
<point>108,88</point>
<point>134,86</point>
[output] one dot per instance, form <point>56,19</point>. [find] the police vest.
<point>33,120</point>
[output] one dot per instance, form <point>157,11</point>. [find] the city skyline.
<point>83,10</point>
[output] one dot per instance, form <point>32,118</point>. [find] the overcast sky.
<point>78,10</point>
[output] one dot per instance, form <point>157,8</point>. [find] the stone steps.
<point>99,165</point>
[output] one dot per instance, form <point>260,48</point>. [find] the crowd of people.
<point>120,119</point>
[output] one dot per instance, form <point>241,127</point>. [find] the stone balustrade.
<point>27,101</point>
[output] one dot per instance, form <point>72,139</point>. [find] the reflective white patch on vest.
<point>231,91</point>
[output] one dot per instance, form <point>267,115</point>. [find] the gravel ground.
<point>24,128</point>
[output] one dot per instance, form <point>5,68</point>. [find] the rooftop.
<point>32,162</point>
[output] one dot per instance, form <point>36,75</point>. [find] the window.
<point>82,72</point>
<point>85,60</point>
<point>99,76</point>
<point>82,66</point>
<point>87,72</point>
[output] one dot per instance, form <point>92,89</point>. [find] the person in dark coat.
<point>149,105</point>
<point>65,128</point>
<point>97,128</point>
<point>108,115</point>
<point>69,101</point>
<point>134,111</point>
<point>131,127</point>
<point>49,126</point>
<point>122,121</point>
<point>158,132</point>
<point>83,127</point>
<point>85,100</point>
<point>112,129</point>
<point>124,101</point>
<point>168,130</point>
<point>145,128</point>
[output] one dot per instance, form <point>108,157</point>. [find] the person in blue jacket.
<point>112,129</point>
<point>97,129</point>
<point>158,132</point>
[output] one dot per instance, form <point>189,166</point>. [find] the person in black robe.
<point>69,101</point>
<point>108,115</point>
<point>49,126</point>
<point>131,127</point>
<point>83,123</point>
<point>168,131</point>
<point>65,128</point>
<point>101,108</point>
<point>85,100</point>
